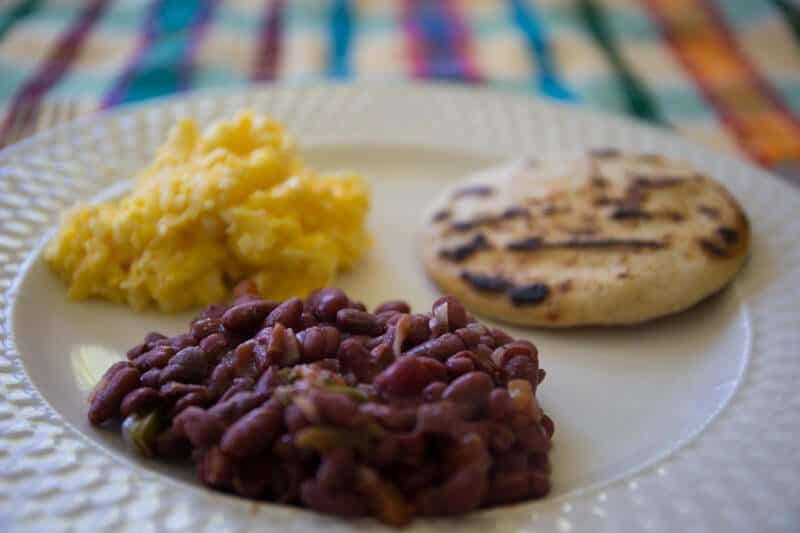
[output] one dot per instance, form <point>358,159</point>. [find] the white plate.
<point>687,423</point>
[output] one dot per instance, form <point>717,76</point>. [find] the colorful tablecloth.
<point>726,72</point>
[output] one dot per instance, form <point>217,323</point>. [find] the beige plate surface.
<point>686,423</point>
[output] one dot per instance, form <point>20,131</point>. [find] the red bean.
<point>409,375</point>
<point>240,384</point>
<point>339,502</point>
<point>141,400</point>
<point>201,427</point>
<point>499,403</point>
<point>501,338</point>
<point>410,447</point>
<point>318,342</point>
<point>220,380</point>
<point>521,367</point>
<point>284,449</point>
<point>511,462</point>
<point>254,432</point>
<point>469,337</point>
<point>382,355</point>
<point>391,417</point>
<point>501,439</point>
<point>433,392</point>
<point>325,303</point>
<point>213,346</point>
<point>411,480</point>
<point>231,409</point>
<point>336,470</point>
<point>171,445</point>
<point>356,359</point>
<point>152,338</point>
<point>397,306</point>
<point>136,351</point>
<point>534,438</point>
<point>217,469</point>
<point>332,365</point>
<point>184,340</point>
<point>246,316</point>
<point>440,347</point>
<point>337,409</point>
<point>387,318</point>
<point>187,366</point>
<point>108,395</point>
<point>538,484</point>
<point>459,364</point>
<point>472,388</point>
<point>358,322</point>
<point>418,331</point>
<point>438,418</point>
<point>151,378</point>
<point>288,313</point>
<point>106,377</point>
<point>214,311</point>
<point>501,356</point>
<point>268,381</point>
<point>254,480</point>
<point>449,311</point>
<point>437,327</point>
<point>198,399</point>
<point>157,357</point>
<point>294,419</point>
<point>549,427</point>
<point>173,389</point>
<point>308,320</point>
<point>461,493</point>
<point>508,487</point>
<point>204,327</point>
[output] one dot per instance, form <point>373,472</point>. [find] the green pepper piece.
<point>285,375</point>
<point>142,431</point>
<point>374,430</point>
<point>323,439</point>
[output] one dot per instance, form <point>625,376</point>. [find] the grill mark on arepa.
<point>604,153</point>
<point>507,214</point>
<point>475,190</point>
<point>441,215</point>
<point>629,212</point>
<point>710,212</point>
<point>728,235</point>
<point>537,243</point>
<point>485,282</point>
<point>660,182</point>
<point>530,294</point>
<point>463,251</point>
<point>712,248</point>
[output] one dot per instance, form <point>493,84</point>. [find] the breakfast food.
<point>612,238</point>
<point>320,403</point>
<point>234,202</point>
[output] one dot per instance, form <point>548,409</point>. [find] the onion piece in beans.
<point>140,432</point>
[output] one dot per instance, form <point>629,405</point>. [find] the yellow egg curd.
<point>231,203</point>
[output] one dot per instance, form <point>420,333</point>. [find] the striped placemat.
<point>725,72</point>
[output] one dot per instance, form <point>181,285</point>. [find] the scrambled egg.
<point>234,202</point>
